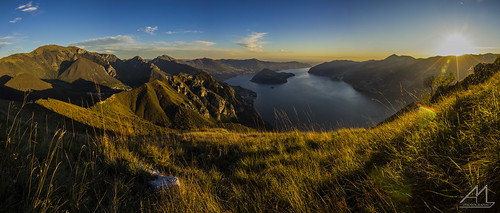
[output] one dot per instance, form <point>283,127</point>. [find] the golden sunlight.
<point>455,44</point>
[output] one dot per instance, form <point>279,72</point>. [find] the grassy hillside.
<point>426,160</point>
<point>180,102</point>
<point>104,118</point>
<point>44,62</point>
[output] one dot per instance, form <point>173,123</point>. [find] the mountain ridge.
<point>397,78</point>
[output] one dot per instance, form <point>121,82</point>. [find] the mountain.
<point>215,68</point>
<point>173,66</point>
<point>25,82</point>
<point>43,62</point>
<point>47,62</point>
<point>267,76</point>
<point>397,78</point>
<point>137,71</point>
<point>223,69</point>
<point>255,65</point>
<point>87,70</point>
<point>179,102</point>
<point>185,101</point>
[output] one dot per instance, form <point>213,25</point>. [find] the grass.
<point>414,163</point>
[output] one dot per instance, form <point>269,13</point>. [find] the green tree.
<point>429,83</point>
<point>443,80</point>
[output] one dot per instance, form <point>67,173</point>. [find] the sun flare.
<point>455,44</point>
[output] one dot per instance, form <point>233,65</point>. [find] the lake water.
<point>312,102</point>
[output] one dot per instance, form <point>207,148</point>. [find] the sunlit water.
<point>313,102</point>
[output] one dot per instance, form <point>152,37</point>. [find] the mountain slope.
<point>46,62</point>
<point>226,68</point>
<point>397,77</point>
<point>185,101</point>
<point>43,62</point>
<point>137,71</point>
<point>179,102</point>
<point>255,65</point>
<point>215,68</point>
<point>173,66</point>
<point>85,69</point>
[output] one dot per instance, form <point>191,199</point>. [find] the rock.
<point>161,182</point>
<point>164,182</point>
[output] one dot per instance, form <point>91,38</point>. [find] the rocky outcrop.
<point>185,102</point>
<point>267,76</point>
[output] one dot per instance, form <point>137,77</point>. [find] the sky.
<point>307,31</point>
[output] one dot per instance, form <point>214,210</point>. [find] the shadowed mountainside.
<point>26,81</point>
<point>173,66</point>
<point>227,68</point>
<point>137,71</point>
<point>88,70</point>
<point>397,78</point>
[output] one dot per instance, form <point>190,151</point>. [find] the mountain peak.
<point>53,47</point>
<point>137,58</point>
<point>394,56</point>
<point>166,58</point>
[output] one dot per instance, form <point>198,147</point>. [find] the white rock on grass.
<point>161,181</point>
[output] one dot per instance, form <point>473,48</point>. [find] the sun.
<point>455,44</point>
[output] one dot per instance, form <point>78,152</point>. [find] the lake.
<point>311,102</point>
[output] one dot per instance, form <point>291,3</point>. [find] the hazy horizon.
<point>310,32</point>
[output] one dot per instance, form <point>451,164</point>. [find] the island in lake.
<point>267,76</point>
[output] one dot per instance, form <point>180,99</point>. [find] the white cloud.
<point>16,20</point>
<point>3,44</point>
<point>194,43</point>
<point>164,43</point>
<point>182,31</point>
<point>24,5</point>
<point>149,29</point>
<point>105,41</point>
<point>253,42</point>
<point>6,37</point>
<point>30,9</point>
<point>125,46</point>
<point>27,7</point>
<point>204,43</point>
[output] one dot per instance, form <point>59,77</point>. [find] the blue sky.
<point>310,31</point>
